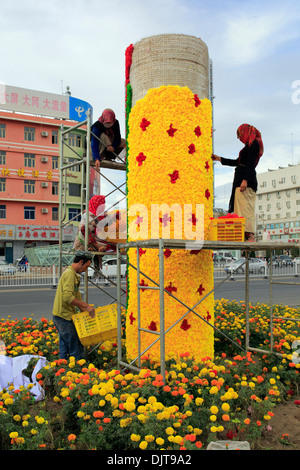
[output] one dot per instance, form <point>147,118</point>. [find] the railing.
<point>222,269</point>
<point>48,275</point>
<point>42,276</point>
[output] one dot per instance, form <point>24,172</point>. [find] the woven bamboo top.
<point>169,59</point>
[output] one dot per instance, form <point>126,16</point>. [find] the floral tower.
<point>169,137</point>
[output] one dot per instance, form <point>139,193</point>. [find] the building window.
<point>2,130</point>
<point>29,186</point>
<point>74,168</point>
<point>74,189</point>
<point>288,204</point>
<point>278,216</point>
<point>260,196</point>
<point>274,183</point>
<point>297,190</point>
<point>74,213</point>
<point>288,193</point>
<point>54,213</point>
<point>278,205</point>
<point>2,157</point>
<point>29,160</point>
<point>260,208</point>
<point>2,184</point>
<point>54,137</point>
<point>29,134</point>
<point>278,194</point>
<point>288,215</point>
<point>55,188</point>
<point>2,211</point>
<point>54,163</point>
<point>29,212</point>
<point>75,140</point>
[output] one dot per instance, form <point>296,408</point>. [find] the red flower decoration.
<point>174,176</point>
<point>167,253</point>
<point>141,251</point>
<point>152,326</point>
<point>197,100</point>
<point>197,131</point>
<point>193,219</point>
<point>165,219</point>
<point>139,220</point>
<point>207,194</point>
<point>207,167</point>
<point>194,252</point>
<point>184,325</point>
<point>142,283</point>
<point>201,289</point>
<point>144,124</point>
<point>171,288</point>
<point>131,318</point>
<point>171,131</point>
<point>192,149</point>
<point>141,158</point>
<point>208,317</point>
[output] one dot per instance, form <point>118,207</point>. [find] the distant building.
<point>29,181</point>
<point>278,204</point>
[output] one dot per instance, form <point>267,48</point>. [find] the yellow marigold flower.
<point>33,431</point>
<point>149,438</point>
<point>159,441</point>
<point>40,420</point>
<point>17,418</point>
<point>213,418</point>
<point>143,445</point>
<point>199,401</point>
<point>152,400</point>
<point>214,409</point>
<point>102,403</point>
<point>170,431</point>
<point>272,381</point>
<point>135,437</point>
<point>8,401</point>
<point>213,390</point>
<point>213,429</point>
<point>25,423</point>
<point>225,407</point>
<point>80,414</point>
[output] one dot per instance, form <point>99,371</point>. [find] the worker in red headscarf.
<point>242,200</point>
<point>106,141</point>
<point>96,213</point>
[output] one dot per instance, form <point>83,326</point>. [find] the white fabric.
<point>11,372</point>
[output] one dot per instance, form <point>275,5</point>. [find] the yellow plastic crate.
<point>95,330</point>
<point>228,229</point>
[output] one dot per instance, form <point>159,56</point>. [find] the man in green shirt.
<point>67,298</point>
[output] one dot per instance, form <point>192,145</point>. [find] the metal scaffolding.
<point>162,244</point>
<point>159,244</point>
<point>85,163</point>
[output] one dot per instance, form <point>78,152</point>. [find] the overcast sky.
<point>254,46</point>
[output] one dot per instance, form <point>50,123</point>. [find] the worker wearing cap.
<point>67,298</point>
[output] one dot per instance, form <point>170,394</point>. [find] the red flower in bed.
<point>144,124</point>
<point>171,131</point>
<point>174,176</point>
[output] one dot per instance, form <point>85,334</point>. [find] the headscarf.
<point>95,202</point>
<point>248,134</point>
<point>108,115</point>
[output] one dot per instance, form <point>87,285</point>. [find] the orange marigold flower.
<point>71,437</point>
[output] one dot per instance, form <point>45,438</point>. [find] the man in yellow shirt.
<point>67,298</point>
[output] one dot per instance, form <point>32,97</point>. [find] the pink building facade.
<point>29,183</point>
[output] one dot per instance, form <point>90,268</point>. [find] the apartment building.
<point>29,182</point>
<point>278,204</point>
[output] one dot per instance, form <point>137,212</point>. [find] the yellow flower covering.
<point>169,162</point>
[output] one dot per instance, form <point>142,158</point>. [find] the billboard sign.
<point>53,105</point>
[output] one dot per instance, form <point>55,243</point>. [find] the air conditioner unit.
<point>44,184</point>
<point>44,159</point>
<point>44,134</point>
<point>44,210</point>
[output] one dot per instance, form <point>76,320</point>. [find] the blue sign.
<point>78,109</point>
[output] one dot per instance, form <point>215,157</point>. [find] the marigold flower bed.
<point>94,405</point>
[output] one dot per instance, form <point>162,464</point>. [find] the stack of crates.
<point>229,228</point>
<point>96,330</point>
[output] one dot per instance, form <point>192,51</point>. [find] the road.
<point>36,302</point>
